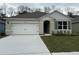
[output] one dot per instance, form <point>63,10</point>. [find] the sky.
<point>36,5</point>
<point>41,5</point>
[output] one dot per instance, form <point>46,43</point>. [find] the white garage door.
<point>25,29</point>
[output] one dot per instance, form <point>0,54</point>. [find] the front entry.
<point>46,27</point>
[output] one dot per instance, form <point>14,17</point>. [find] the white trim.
<point>22,19</point>
<point>67,30</point>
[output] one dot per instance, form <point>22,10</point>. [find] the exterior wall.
<point>51,18</point>
<point>2,26</point>
<point>42,24</point>
<point>52,27</point>
<point>59,16</point>
<point>22,19</point>
<point>25,22</point>
<point>41,27</point>
<point>9,26</point>
<point>56,16</point>
<point>75,28</point>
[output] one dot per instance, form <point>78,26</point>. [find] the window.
<point>60,25</point>
<point>64,27</point>
<point>64,24</point>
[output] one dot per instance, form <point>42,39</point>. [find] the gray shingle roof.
<point>30,15</point>
<point>75,19</point>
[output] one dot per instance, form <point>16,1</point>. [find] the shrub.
<point>3,34</point>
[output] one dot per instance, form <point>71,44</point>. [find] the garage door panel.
<point>25,29</point>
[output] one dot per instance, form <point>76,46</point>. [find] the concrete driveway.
<point>22,44</point>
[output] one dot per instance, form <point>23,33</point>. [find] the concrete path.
<point>22,44</point>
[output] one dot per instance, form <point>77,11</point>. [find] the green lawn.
<point>61,43</point>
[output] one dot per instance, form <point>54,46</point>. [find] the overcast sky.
<point>41,5</point>
<point>37,5</point>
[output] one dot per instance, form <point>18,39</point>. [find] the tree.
<point>4,7</point>
<point>38,9</point>
<point>59,9</point>
<point>21,8</point>
<point>33,10</point>
<point>2,13</point>
<point>47,9</point>
<point>67,10</point>
<point>1,10</point>
<point>26,8</point>
<point>11,11</point>
<point>53,7</point>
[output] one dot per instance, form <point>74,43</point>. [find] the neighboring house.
<point>75,23</point>
<point>2,23</point>
<point>2,26</point>
<point>39,23</point>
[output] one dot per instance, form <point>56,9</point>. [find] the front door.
<point>46,27</point>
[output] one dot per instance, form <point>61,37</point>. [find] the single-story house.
<point>39,23</point>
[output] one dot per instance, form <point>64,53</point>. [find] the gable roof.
<point>30,15</point>
<point>57,12</point>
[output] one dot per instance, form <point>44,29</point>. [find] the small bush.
<point>62,34</point>
<point>58,33</point>
<point>3,34</point>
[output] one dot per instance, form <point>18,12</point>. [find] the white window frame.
<point>63,25</point>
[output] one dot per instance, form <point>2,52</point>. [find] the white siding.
<point>25,22</point>
<point>59,16</point>
<point>75,28</point>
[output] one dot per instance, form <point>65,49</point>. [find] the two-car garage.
<point>25,27</point>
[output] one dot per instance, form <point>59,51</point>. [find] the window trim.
<point>68,24</point>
